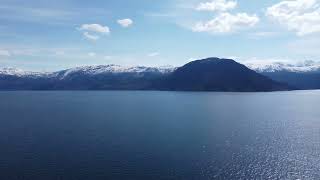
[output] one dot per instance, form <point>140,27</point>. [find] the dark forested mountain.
<point>212,74</point>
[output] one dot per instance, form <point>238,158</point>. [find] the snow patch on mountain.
<point>89,70</point>
<point>258,66</point>
<point>12,71</point>
<point>278,66</point>
<point>21,73</point>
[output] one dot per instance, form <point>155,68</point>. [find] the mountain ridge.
<point>210,74</point>
<point>303,75</point>
<point>215,74</point>
<point>307,66</point>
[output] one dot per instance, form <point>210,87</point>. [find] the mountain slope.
<point>301,80</point>
<point>297,67</point>
<point>109,77</point>
<point>303,75</point>
<point>214,74</point>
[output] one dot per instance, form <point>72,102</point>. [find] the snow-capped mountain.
<point>258,66</point>
<point>200,75</point>
<point>13,72</point>
<point>89,70</point>
<point>301,75</point>
<point>298,67</point>
<point>115,69</point>
<point>21,73</point>
<point>86,77</point>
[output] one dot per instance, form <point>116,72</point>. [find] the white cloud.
<point>107,57</point>
<point>301,16</point>
<point>92,54</point>
<point>125,22</point>
<point>153,54</point>
<point>217,5</point>
<point>226,23</point>
<point>4,53</point>
<point>90,36</point>
<point>97,28</point>
<point>94,30</point>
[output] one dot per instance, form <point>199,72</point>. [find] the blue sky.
<point>52,35</point>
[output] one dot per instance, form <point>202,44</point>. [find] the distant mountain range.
<point>302,75</point>
<point>298,67</point>
<point>211,74</point>
<point>109,77</point>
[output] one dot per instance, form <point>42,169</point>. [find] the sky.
<point>53,35</point>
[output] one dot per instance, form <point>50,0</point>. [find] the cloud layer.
<point>300,16</point>
<point>217,5</point>
<point>125,22</point>
<point>90,36</point>
<point>226,22</point>
<point>4,53</point>
<point>92,31</point>
<point>95,28</point>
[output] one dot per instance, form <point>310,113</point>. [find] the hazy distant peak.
<point>14,71</point>
<point>277,66</point>
<point>9,70</point>
<point>90,70</point>
<point>113,68</point>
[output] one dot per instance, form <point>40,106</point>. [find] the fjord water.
<point>159,135</point>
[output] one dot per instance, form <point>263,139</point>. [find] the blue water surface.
<point>128,135</point>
